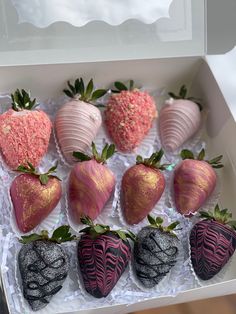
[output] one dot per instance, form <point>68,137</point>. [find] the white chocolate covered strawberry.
<point>78,121</point>
<point>24,132</point>
<point>179,120</point>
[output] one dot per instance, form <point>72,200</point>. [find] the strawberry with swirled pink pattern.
<point>194,181</point>
<point>103,256</point>
<point>212,242</point>
<point>91,183</point>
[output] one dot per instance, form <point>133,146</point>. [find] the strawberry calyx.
<point>122,87</point>
<point>215,162</point>
<point>21,101</point>
<point>220,215</point>
<point>157,223</point>
<point>183,95</point>
<point>43,177</point>
<point>154,161</point>
<point>95,230</point>
<point>107,152</point>
<point>60,235</point>
<point>79,91</point>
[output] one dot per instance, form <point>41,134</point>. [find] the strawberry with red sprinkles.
<point>129,115</point>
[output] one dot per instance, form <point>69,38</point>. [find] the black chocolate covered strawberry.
<point>103,256</point>
<point>155,252</point>
<point>213,242</point>
<point>43,266</point>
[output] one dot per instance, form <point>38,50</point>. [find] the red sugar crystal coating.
<point>24,136</point>
<point>128,117</point>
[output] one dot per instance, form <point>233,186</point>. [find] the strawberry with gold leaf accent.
<point>142,186</point>
<point>34,196</point>
<point>194,181</point>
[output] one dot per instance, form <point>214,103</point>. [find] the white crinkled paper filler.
<point>42,13</point>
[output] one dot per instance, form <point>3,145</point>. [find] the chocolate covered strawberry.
<point>194,181</point>
<point>78,121</point>
<point>141,188</point>
<point>34,196</point>
<point>155,252</point>
<point>103,256</point>
<point>212,242</point>
<point>179,120</point>
<point>43,266</point>
<point>24,132</point>
<point>129,115</point>
<point>91,183</point>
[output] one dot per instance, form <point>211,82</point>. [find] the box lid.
<point>35,31</point>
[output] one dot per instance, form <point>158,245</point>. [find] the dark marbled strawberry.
<point>212,245</point>
<point>102,262</point>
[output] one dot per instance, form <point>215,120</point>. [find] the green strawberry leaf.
<point>62,234</point>
<point>159,220</point>
<point>121,234</point>
<point>186,154</point>
<point>99,229</point>
<point>104,152</point>
<point>30,238</point>
<point>183,92</point>
<point>77,86</point>
<point>68,93</point>
<point>110,151</point>
<point>43,178</point>
<point>151,220</point>
<point>139,159</point>
<point>201,155</point>
<point>94,151</point>
<point>232,223</point>
<point>120,86</point>
<point>173,225</point>
<point>98,94</point>
<point>81,156</point>
<point>89,89</point>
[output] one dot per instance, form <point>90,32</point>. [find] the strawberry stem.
<point>81,92</point>
<point>183,95</point>
<point>157,223</point>
<point>154,161</point>
<point>21,101</point>
<point>60,235</point>
<point>215,162</point>
<point>220,215</point>
<point>43,177</point>
<point>95,230</point>
<point>107,152</point>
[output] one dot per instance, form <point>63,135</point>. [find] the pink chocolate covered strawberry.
<point>194,181</point>
<point>212,242</point>
<point>78,121</point>
<point>91,183</point>
<point>179,119</point>
<point>34,196</point>
<point>103,256</point>
<point>129,115</point>
<point>24,132</point>
<point>142,186</point>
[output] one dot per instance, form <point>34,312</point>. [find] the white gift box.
<point>164,54</point>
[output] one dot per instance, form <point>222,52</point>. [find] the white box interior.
<point>46,81</point>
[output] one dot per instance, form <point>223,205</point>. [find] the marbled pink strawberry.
<point>194,181</point>
<point>90,187</point>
